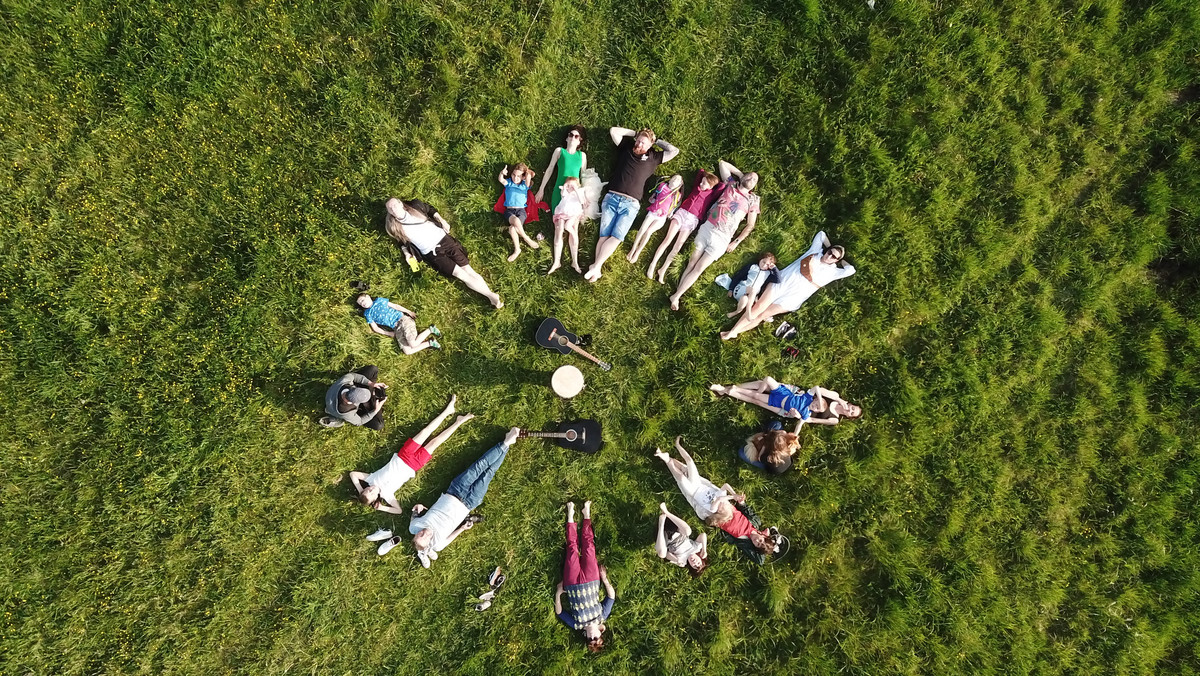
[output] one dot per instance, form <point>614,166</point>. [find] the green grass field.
<point>187,188</point>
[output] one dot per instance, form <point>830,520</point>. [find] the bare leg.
<point>743,324</point>
<point>573,244</point>
<point>741,306</point>
<point>689,464</point>
<point>445,434</point>
<point>421,436</point>
<point>750,397</point>
<point>558,242</point>
<point>512,232</point>
<point>672,231</point>
<point>650,225</point>
<point>679,523</point>
<point>675,467</point>
<point>700,263</point>
<point>679,242</point>
<point>604,248</point>
<point>476,283</point>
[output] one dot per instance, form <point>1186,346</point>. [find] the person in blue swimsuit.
<point>815,405</point>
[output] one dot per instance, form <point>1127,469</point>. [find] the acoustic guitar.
<point>554,336</point>
<point>577,435</point>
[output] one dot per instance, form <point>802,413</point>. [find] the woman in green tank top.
<point>570,161</point>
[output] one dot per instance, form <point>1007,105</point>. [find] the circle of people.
<point>713,210</point>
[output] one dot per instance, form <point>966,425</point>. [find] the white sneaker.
<point>388,545</point>
<point>424,559</point>
<point>381,534</point>
<point>488,595</point>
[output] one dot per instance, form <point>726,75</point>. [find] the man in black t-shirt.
<point>638,155</point>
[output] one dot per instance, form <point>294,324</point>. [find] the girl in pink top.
<point>663,200</point>
<point>685,221</point>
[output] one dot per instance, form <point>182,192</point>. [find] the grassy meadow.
<point>187,188</point>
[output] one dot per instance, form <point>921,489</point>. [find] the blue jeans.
<point>616,215</point>
<point>470,486</point>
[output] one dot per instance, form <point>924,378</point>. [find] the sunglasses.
<point>574,134</point>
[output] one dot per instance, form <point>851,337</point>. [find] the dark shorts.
<point>519,212</point>
<point>446,256</point>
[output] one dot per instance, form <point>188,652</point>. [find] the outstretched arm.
<point>669,151</point>
<point>583,164</point>
<point>618,134</point>
<point>441,221</point>
<point>546,176</point>
<point>751,221</point>
<point>381,331</point>
<point>501,175</point>
<point>403,309</point>
<point>558,592</point>
<point>703,542</point>
<point>608,588</point>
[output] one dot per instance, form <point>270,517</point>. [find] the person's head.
<point>708,180</point>
<point>423,539</point>
<point>764,541</point>
<point>696,564</point>
<point>780,447</point>
<point>642,142</point>
<point>675,182</point>
<point>364,300</point>
<point>749,181</point>
<point>766,261</point>
<point>571,183</point>
<point>357,395</point>
<point>576,136</point>
<point>722,515</point>
<point>594,633</point>
<point>519,172</point>
<point>833,254</point>
<point>368,495</point>
<point>848,410</point>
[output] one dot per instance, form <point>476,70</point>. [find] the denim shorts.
<point>616,215</point>
<point>519,212</point>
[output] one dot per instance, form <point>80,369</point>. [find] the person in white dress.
<point>703,495</point>
<point>822,264</point>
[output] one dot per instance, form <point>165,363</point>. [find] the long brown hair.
<point>722,516</point>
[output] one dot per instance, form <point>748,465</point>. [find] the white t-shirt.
<point>822,273</point>
<point>389,478</point>
<point>424,235</point>
<point>700,494</point>
<point>442,518</point>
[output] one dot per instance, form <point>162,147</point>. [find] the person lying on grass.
<point>581,580</point>
<point>684,221</point>
<point>356,398</point>
<point>716,507</point>
<point>569,160</point>
<point>816,405</point>
<point>567,216</point>
<point>378,489</point>
<point>675,544</point>
<point>663,201</point>
<point>737,202</point>
<point>749,280</point>
<point>396,321</point>
<point>822,264</point>
<point>436,527</point>
<point>638,154</point>
<point>416,224</point>
<point>516,196</point>
<point>770,450</point>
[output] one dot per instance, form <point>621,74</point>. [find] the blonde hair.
<point>571,180</point>
<point>722,515</point>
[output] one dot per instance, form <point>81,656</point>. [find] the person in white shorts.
<point>821,264</point>
<point>736,203</point>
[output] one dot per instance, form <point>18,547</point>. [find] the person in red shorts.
<point>582,576</point>
<point>378,489</point>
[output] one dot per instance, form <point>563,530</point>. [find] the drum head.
<point>567,381</point>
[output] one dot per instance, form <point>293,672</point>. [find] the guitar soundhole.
<point>572,435</point>
<point>562,340</point>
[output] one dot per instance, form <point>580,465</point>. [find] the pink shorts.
<point>687,222</point>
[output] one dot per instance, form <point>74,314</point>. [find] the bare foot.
<point>721,390</point>
<point>662,507</point>
<point>587,509</point>
<point>674,303</point>
<point>552,269</point>
<point>658,453</point>
<point>650,273</point>
<point>576,267</point>
<point>514,255</point>
<point>533,245</point>
<point>497,303</point>
<point>725,335</point>
<point>450,407</point>
<point>662,278</point>
<point>464,418</point>
<point>733,314</point>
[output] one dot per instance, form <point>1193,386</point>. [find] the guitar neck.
<point>585,353</point>
<point>543,435</point>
